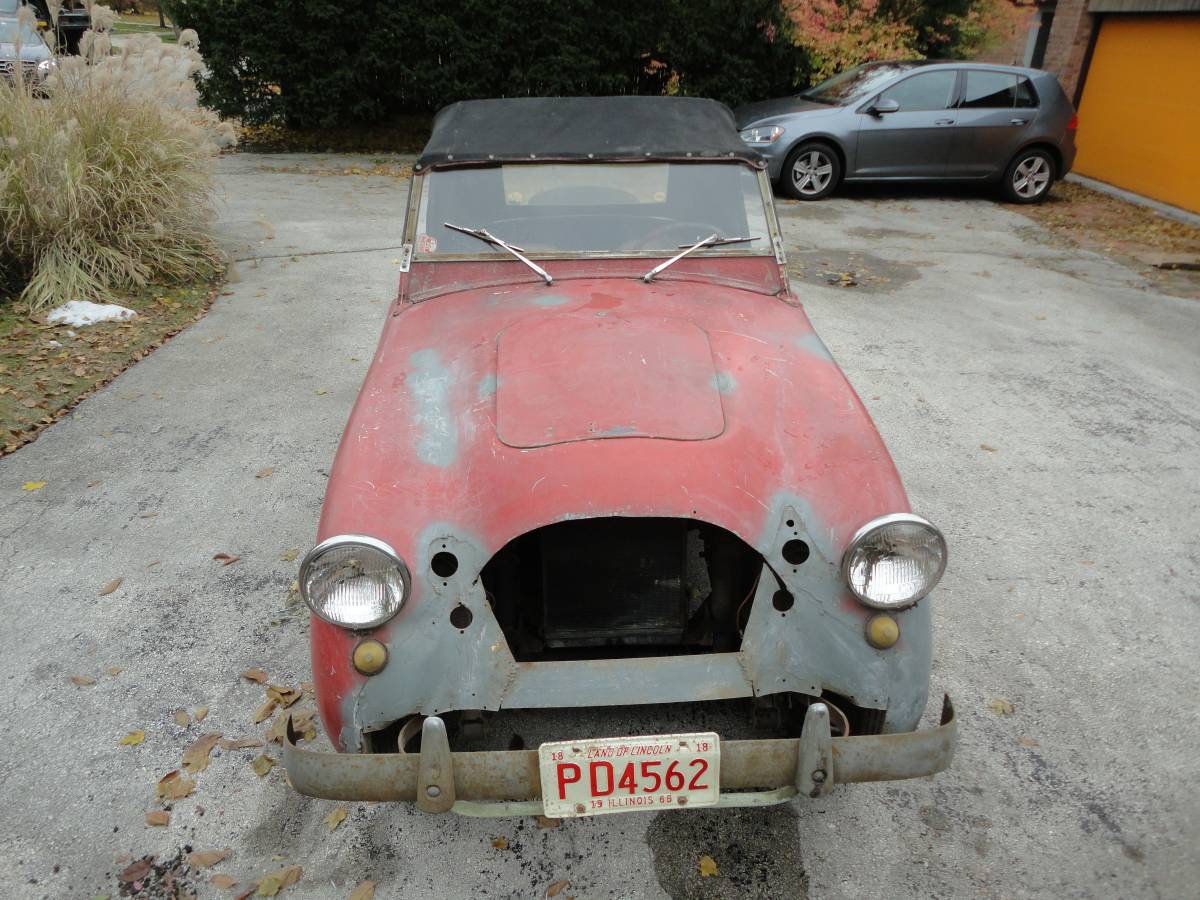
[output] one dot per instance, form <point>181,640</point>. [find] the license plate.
<point>609,775</point>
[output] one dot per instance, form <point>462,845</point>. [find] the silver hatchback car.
<point>920,120</point>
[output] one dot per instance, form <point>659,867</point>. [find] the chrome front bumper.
<point>508,783</point>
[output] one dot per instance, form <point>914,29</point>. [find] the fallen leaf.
<point>365,891</point>
<point>82,680</point>
<point>547,822</point>
<point>240,744</point>
<point>208,858</point>
<point>133,738</point>
<point>265,473</point>
<point>33,485</point>
<point>195,758</point>
<point>226,558</point>
<point>555,889</point>
<point>255,675</point>
<point>277,881</point>
<point>1028,742</point>
<point>1001,707</point>
<point>302,722</point>
<point>149,514</point>
<point>224,881</point>
<point>262,764</point>
<point>321,391</point>
<point>988,447</point>
<point>201,714</point>
<point>284,696</point>
<point>114,670</point>
<point>110,587</point>
<point>264,712</point>
<point>500,843</point>
<point>136,871</point>
<point>708,866</point>
<point>335,818</point>
<point>182,719</point>
<point>289,555</point>
<point>158,817</point>
<point>174,786</point>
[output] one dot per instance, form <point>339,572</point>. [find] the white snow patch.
<point>85,312</point>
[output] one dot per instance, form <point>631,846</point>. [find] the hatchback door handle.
<point>943,121</point>
<point>1017,121</point>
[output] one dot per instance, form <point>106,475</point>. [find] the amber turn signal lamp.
<point>370,657</point>
<point>882,632</point>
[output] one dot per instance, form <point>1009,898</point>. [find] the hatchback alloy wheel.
<point>1031,177</point>
<point>812,172</point>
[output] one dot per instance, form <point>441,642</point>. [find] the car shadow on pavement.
<point>727,853</point>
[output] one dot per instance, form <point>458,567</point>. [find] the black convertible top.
<point>522,129</point>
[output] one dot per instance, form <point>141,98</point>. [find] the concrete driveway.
<point>1043,406</point>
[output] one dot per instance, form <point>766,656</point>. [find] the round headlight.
<point>354,581</point>
<point>894,561</point>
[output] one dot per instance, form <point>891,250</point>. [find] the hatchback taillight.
<point>1074,123</point>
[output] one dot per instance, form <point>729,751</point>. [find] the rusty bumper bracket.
<point>508,783</point>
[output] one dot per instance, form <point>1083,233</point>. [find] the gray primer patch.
<point>724,383</point>
<point>487,386</point>
<point>757,852</point>
<point>617,431</point>
<point>550,300</point>
<point>429,385</point>
<point>815,346</point>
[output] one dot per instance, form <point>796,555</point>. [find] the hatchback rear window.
<point>997,90</point>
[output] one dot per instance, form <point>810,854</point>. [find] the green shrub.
<point>319,64</point>
<point>105,183</point>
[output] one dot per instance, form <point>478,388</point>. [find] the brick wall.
<point>1069,37</point>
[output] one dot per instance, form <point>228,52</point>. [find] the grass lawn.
<point>45,371</point>
<point>144,23</point>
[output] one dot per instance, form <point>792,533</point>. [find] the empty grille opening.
<point>772,716</point>
<point>621,587</point>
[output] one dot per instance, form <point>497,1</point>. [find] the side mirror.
<point>882,107</point>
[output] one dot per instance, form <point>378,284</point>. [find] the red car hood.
<point>500,409</point>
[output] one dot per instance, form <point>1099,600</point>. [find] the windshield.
<point>841,89</point>
<point>592,207</point>
<point>8,34</point>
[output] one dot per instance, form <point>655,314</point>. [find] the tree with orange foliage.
<point>840,34</point>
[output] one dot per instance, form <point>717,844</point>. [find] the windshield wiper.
<point>711,241</point>
<point>484,235</point>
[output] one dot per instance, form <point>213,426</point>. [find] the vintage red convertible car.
<point>602,458</point>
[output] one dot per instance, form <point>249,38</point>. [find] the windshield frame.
<point>773,247</point>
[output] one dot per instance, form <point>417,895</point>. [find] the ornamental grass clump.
<point>106,172</point>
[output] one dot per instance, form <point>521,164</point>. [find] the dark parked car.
<point>918,120</point>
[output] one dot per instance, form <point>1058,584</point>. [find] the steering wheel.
<point>672,233</point>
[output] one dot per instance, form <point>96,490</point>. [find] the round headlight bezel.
<point>866,531</point>
<point>361,540</point>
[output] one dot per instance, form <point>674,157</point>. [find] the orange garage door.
<point>1139,119</point>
